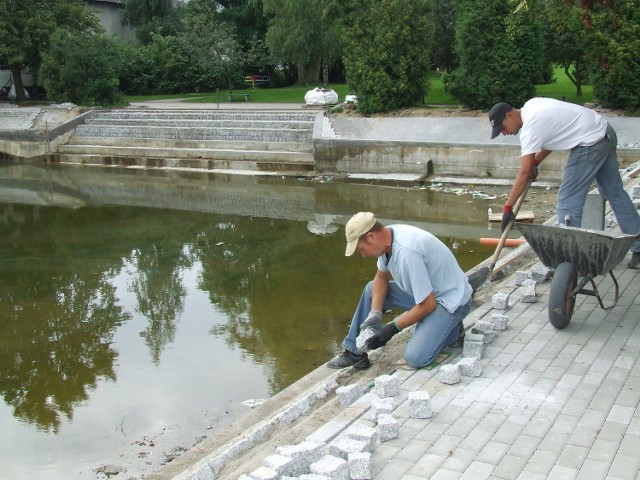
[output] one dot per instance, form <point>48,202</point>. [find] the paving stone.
<point>540,273</point>
<point>527,293</point>
<point>470,367</point>
<point>281,464</point>
<point>520,276</point>
<point>387,386</point>
<point>380,406</point>
<point>361,340</point>
<point>500,321</point>
<point>343,445</point>
<point>420,405</point>
<point>388,427</point>
<point>349,394</point>
<point>473,348</point>
<point>500,300</point>
<point>264,473</point>
<point>303,455</point>
<point>333,467</point>
<point>366,434</point>
<point>449,374</point>
<point>359,466</point>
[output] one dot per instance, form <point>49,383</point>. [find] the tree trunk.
<point>16,76</point>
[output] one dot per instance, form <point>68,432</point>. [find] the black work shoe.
<point>348,359</point>
<point>635,260</point>
<point>459,343</point>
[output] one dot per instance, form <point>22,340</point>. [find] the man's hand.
<point>374,320</point>
<point>507,217</point>
<point>381,338</point>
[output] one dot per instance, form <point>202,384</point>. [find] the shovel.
<point>477,278</point>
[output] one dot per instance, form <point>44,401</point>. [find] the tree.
<point>443,55</point>
<point>566,40</point>
<point>82,68</point>
<point>614,49</point>
<point>214,42</point>
<point>26,27</point>
<point>499,51</point>
<point>150,17</point>
<point>303,33</point>
<point>386,52</point>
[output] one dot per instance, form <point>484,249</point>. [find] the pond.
<point>140,309</point>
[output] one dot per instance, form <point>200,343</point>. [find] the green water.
<point>140,309</point>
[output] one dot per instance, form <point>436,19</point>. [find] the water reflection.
<point>91,257</point>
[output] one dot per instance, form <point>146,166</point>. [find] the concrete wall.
<point>439,146</point>
<point>110,15</point>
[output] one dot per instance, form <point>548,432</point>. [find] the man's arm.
<point>524,175</point>
<point>417,313</point>
<point>379,290</point>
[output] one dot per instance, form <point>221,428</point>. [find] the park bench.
<point>238,96</point>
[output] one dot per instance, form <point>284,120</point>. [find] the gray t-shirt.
<point>420,264</point>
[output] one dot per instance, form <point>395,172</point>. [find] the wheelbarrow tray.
<point>592,252</point>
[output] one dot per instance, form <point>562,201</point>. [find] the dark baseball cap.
<point>496,116</point>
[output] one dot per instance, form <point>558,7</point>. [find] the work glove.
<point>374,321</point>
<point>381,338</point>
<point>534,173</point>
<point>507,216</point>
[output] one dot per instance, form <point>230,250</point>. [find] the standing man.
<point>427,283</point>
<point>546,125</point>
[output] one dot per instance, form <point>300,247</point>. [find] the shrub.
<point>82,68</point>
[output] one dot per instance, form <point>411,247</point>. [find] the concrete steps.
<point>266,141</point>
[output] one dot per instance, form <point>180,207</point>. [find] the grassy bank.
<point>562,88</point>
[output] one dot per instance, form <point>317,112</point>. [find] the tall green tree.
<point>614,49</point>
<point>214,42</point>
<point>566,40</point>
<point>149,17</point>
<point>443,55</point>
<point>386,52</point>
<point>303,33</point>
<point>499,52</point>
<point>26,28</point>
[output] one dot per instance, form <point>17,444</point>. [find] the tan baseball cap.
<point>357,226</point>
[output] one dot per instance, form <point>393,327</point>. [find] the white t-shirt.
<point>549,124</point>
<point>420,264</point>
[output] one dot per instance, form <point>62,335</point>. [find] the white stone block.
<point>527,294</point>
<point>500,301</point>
<point>519,277</point>
<point>470,367</point>
<point>333,467</point>
<point>380,406</point>
<point>500,322</point>
<point>366,434</point>
<point>387,386</point>
<point>359,466</point>
<point>388,427</point>
<point>449,374</point>
<point>362,338</point>
<point>349,394</point>
<point>420,405</point>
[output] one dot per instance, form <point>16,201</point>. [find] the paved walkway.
<point>548,404</point>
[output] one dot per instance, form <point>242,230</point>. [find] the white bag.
<point>321,96</point>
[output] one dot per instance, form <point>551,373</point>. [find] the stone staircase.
<point>276,142</point>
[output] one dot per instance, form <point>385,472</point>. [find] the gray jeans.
<point>597,162</point>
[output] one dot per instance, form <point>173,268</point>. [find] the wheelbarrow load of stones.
<point>575,252</point>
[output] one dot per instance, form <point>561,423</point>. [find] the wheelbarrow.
<point>574,252</point>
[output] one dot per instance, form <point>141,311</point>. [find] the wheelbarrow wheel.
<point>561,297</point>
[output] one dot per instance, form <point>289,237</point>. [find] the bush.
<point>615,50</point>
<point>498,50</point>
<point>82,68</point>
<point>386,53</point>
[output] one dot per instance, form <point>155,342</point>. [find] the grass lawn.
<point>561,88</point>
